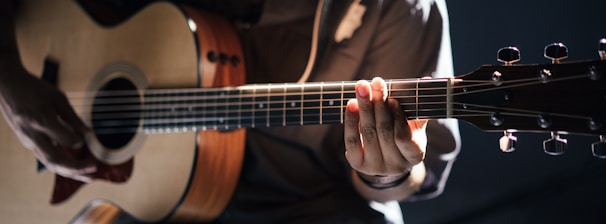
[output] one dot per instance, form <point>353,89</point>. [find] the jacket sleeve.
<point>412,40</point>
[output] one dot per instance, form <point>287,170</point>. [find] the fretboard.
<point>268,105</point>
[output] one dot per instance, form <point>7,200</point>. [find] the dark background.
<point>527,185</point>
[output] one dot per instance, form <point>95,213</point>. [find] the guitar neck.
<point>266,105</point>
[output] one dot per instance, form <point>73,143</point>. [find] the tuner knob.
<point>602,48</point>
<point>556,52</point>
<point>555,145</point>
<point>508,142</point>
<point>508,55</point>
<point>598,149</point>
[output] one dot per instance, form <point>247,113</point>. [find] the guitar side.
<point>168,175</point>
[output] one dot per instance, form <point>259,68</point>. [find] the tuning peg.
<point>508,55</point>
<point>599,148</point>
<point>508,142</point>
<point>602,48</point>
<point>556,52</point>
<point>555,145</point>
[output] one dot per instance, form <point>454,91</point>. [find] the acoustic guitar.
<point>164,94</point>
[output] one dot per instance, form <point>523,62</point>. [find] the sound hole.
<point>116,113</point>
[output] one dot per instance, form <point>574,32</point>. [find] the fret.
<point>202,110</point>
<point>284,106</point>
<point>321,100</point>
<point>432,99</point>
<point>276,107</point>
<point>332,104</point>
<point>260,107</point>
<point>294,105</point>
<point>342,102</point>
<point>247,100</point>
<point>212,112</point>
<point>417,99</point>
<point>302,104</point>
<point>311,105</point>
<point>190,110</point>
<point>405,93</point>
<point>220,110</point>
<point>232,113</point>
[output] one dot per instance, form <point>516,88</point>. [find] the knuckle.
<point>385,129</point>
<point>365,106</point>
<point>352,142</point>
<point>369,133</point>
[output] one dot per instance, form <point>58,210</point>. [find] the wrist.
<point>381,182</point>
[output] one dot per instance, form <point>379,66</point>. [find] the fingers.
<point>57,130</point>
<point>59,160</point>
<point>378,139</point>
<point>372,156</point>
<point>403,132</point>
<point>354,150</point>
<point>67,113</point>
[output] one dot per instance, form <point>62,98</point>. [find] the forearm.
<point>399,192</point>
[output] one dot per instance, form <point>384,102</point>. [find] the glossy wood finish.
<point>220,153</point>
<point>159,43</point>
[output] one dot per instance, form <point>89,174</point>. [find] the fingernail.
<point>377,84</point>
<point>361,91</point>
<point>351,105</point>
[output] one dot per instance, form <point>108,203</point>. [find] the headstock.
<point>556,98</point>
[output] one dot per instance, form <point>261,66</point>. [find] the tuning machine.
<point>556,145</point>
<point>556,52</point>
<point>598,149</point>
<point>602,48</point>
<point>508,55</point>
<point>508,142</point>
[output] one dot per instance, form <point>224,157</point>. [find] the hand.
<point>378,138</point>
<point>44,122</point>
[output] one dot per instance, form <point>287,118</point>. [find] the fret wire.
<point>240,109</point>
<point>342,93</point>
<point>302,99</point>
<point>268,104</point>
<point>284,108</point>
<point>417,98</point>
<point>254,107</point>
<point>321,100</point>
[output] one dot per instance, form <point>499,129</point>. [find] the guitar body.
<point>175,176</point>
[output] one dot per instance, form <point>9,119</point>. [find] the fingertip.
<point>377,83</point>
<point>352,106</point>
<point>362,88</point>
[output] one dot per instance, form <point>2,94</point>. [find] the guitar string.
<point>263,95</point>
<point>184,127</point>
<point>155,118</point>
<point>226,103</point>
<point>282,109</point>
<point>160,119</point>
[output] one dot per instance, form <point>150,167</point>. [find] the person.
<point>326,173</point>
